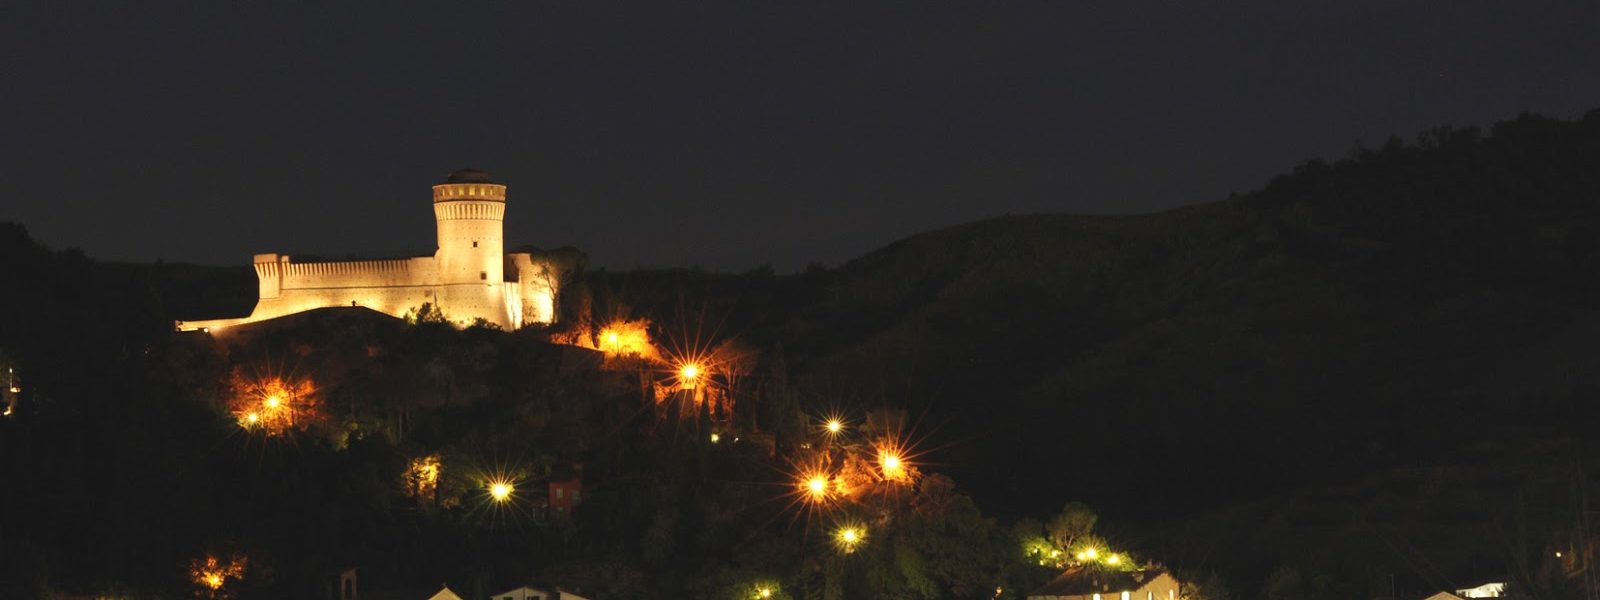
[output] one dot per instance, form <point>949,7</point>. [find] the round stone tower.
<point>470,210</point>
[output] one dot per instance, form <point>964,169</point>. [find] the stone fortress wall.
<point>469,278</point>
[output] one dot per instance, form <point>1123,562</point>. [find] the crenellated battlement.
<point>446,192</point>
<point>347,268</point>
<point>470,211</point>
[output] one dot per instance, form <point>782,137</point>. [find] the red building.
<point>565,495</point>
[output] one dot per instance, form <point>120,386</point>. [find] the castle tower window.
<point>474,243</point>
<point>483,275</point>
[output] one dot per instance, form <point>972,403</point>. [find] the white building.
<point>1487,590</point>
<point>530,593</point>
<point>470,278</point>
<point>1094,582</point>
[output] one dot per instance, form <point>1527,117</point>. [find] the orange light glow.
<point>815,487</point>
<point>841,487</point>
<point>834,426</point>
<point>627,338</point>
<point>213,573</point>
<point>274,404</point>
<point>422,479</point>
<point>689,372</point>
<point>890,463</point>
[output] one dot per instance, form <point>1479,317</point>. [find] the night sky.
<point>723,135</point>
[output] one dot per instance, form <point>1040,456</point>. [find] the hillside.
<point>1379,369</point>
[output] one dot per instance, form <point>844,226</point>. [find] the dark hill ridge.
<point>1401,306</point>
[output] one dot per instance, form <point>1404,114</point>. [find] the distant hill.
<point>1402,314</point>
<point>1407,304</point>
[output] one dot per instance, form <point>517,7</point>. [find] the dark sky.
<point>719,134</point>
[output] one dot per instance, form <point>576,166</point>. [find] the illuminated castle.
<point>470,279</point>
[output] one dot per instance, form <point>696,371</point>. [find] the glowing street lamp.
<point>815,487</point>
<point>501,491</point>
<point>889,462</point>
<point>834,426</point>
<point>765,592</point>
<point>848,537</point>
<point>274,401</point>
<point>689,372</point>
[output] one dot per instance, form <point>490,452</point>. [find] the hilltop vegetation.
<point>1372,367</point>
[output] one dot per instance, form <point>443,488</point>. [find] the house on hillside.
<point>1487,590</point>
<point>532,593</point>
<point>444,593</point>
<point>1094,582</point>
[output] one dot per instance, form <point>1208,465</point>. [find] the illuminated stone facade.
<point>469,279</point>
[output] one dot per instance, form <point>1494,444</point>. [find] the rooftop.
<point>1086,580</point>
<point>469,176</point>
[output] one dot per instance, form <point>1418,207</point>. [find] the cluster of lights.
<point>861,471</point>
<point>11,378</point>
<point>273,404</point>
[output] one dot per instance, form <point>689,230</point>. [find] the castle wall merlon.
<point>470,211</point>
<point>358,274</point>
<point>269,276</point>
<point>446,192</point>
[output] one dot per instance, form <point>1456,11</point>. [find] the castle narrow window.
<point>474,244</point>
<point>483,275</point>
